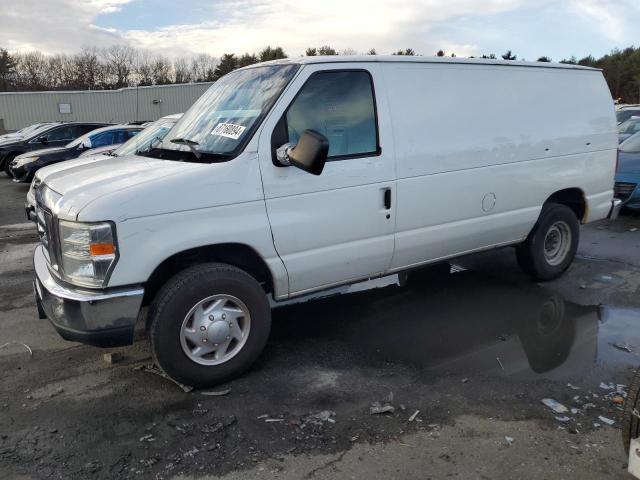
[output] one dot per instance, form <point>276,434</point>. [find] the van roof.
<point>420,59</point>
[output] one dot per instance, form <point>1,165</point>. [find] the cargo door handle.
<point>387,199</point>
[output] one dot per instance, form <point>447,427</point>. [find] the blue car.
<point>628,173</point>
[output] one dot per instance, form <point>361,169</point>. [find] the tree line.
<point>122,66</point>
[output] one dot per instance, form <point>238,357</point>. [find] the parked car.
<point>628,128</point>
<point>292,177</point>
<point>628,173</point>
<point>26,130</point>
<point>24,166</point>
<point>152,133</point>
<point>625,112</point>
<point>55,135</point>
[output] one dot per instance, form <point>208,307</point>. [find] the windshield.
<point>623,115</point>
<point>225,116</point>
<point>79,140</point>
<point>631,145</point>
<point>39,129</point>
<point>632,125</point>
<point>146,138</point>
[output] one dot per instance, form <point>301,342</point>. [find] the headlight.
<point>88,252</point>
<point>19,162</point>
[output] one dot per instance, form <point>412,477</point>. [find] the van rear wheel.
<point>552,244</point>
<point>208,324</point>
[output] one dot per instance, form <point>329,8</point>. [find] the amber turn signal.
<point>97,249</point>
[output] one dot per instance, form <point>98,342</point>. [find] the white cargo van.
<point>292,177</point>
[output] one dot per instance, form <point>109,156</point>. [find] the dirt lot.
<point>473,352</point>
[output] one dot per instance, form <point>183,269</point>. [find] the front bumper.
<point>103,318</point>
<point>20,174</point>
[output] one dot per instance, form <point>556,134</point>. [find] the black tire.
<point>5,164</point>
<point>631,423</point>
<point>176,298</point>
<point>531,253</point>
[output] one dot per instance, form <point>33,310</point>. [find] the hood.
<point>628,162</point>
<point>122,188</point>
<point>44,172</point>
<point>42,151</point>
<point>100,150</point>
<point>10,141</point>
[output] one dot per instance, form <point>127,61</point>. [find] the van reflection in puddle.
<point>459,323</point>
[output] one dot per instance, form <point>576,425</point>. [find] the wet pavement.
<point>473,349</point>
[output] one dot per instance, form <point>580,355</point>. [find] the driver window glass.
<point>102,139</point>
<point>340,106</point>
<point>61,134</point>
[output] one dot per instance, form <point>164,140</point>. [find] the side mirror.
<point>310,154</point>
<point>43,139</point>
<point>86,144</point>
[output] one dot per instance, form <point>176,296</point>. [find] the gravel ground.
<point>473,352</point>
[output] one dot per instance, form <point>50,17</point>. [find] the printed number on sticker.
<point>228,130</point>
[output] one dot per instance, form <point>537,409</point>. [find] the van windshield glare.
<point>225,116</point>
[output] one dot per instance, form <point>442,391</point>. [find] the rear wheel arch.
<point>574,198</point>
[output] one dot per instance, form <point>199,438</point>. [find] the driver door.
<point>339,226</point>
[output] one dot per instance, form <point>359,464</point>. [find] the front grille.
<point>623,190</point>
<point>47,232</point>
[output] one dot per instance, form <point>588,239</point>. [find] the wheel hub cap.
<point>215,329</point>
<point>557,243</point>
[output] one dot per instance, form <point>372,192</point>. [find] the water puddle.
<point>466,323</point>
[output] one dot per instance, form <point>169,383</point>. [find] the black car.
<point>53,135</point>
<point>24,166</point>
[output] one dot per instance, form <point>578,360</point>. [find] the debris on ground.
<point>377,408</point>
<point>563,419</point>
<point>633,229</point>
<point>509,440</point>
<point>319,418</point>
<point>112,357</point>
<point>572,387</point>
<point>218,426</point>
<point>625,347</point>
<point>557,407</point>
<point>574,411</point>
<point>617,399</point>
<point>607,386</point>
<point>151,368</point>
<point>500,363</point>
<point>465,380</point>
<point>273,420</point>
<point>4,345</point>
<point>147,438</point>
<point>582,286</point>
<point>606,420</point>
<point>216,393</point>
<point>414,415</point>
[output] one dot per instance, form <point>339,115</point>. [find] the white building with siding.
<point>20,109</point>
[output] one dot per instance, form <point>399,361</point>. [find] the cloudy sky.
<point>531,28</point>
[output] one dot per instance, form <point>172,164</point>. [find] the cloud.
<point>248,25</point>
<point>54,26</point>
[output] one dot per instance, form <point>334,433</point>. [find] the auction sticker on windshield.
<point>228,130</point>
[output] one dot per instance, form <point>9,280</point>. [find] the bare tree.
<point>119,64</point>
<point>202,67</point>
<point>32,70</point>
<point>89,71</point>
<point>181,73</point>
<point>161,70</point>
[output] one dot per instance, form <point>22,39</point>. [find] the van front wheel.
<point>552,244</point>
<point>209,323</point>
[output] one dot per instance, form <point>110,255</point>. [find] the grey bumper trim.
<point>83,311</point>
<point>616,205</point>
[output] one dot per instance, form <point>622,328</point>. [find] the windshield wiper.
<point>189,143</point>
